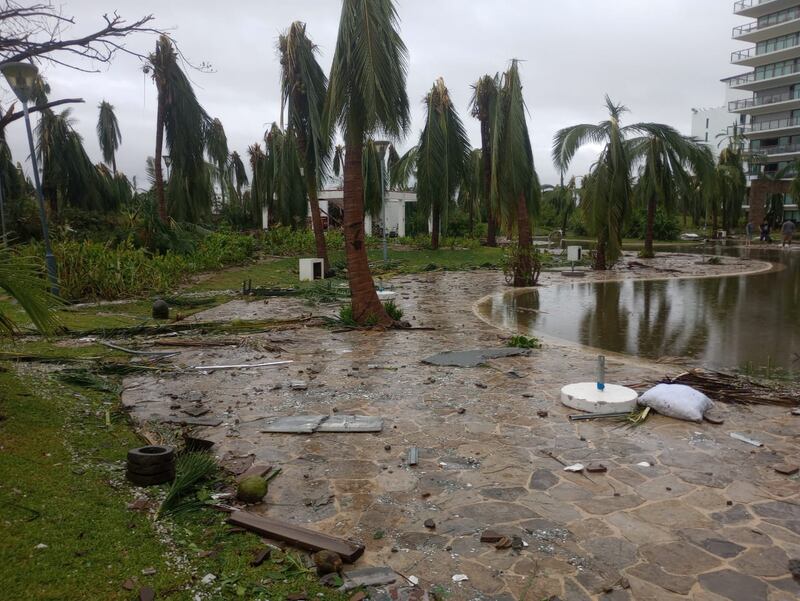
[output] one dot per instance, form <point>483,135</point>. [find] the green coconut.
<point>252,489</point>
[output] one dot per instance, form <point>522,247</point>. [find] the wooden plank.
<point>254,470</point>
<point>297,535</point>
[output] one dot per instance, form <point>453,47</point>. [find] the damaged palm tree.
<point>366,94</point>
<point>303,90</point>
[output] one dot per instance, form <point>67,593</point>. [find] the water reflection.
<point>726,322</point>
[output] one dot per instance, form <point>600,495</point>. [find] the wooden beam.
<point>296,535</point>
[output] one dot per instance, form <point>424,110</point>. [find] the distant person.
<point>765,233</point>
<point>787,231</point>
<point>749,232</point>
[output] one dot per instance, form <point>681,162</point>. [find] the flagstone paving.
<point>709,519</point>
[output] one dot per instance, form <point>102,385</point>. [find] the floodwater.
<point>751,323</point>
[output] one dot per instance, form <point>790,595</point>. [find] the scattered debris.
<point>327,562</point>
<point>251,489</point>
<point>413,456</point>
<point>596,468</point>
<point>517,543</point>
<point>490,536</point>
<point>308,424</point>
<point>368,577</point>
<point>588,416</point>
<point>260,557</point>
<point>713,418</point>
<point>542,413</point>
<point>298,385</point>
<point>735,389</point>
<point>678,401</point>
<point>576,468</point>
<point>195,411</point>
<point>148,572</point>
<point>209,422</point>
<point>794,568</point>
<point>787,469</point>
<point>296,535</point>
<point>644,464</point>
<point>40,546</point>
<point>413,580</point>
<point>796,411</point>
<point>240,366</point>
<point>208,579</point>
<point>135,352</point>
<point>503,543</point>
<point>430,524</point>
<point>474,358</point>
<point>146,594</point>
<point>259,470</point>
<point>460,577</point>
<point>129,584</point>
<point>743,438</point>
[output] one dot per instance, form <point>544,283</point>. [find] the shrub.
<point>665,227</point>
<point>393,310</point>
<point>284,241</point>
<point>524,342</point>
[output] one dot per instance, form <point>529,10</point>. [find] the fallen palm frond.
<point>252,343</point>
<point>85,378</point>
<point>637,417</point>
<point>190,470</point>
<point>728,388</point>
<point>199,327</point>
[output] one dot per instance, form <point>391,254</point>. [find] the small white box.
<point>312,269</point>
<point>574,253</point>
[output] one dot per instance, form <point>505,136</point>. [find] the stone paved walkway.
<point>708,520</point>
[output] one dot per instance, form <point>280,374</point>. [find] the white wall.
<point>708,124</point>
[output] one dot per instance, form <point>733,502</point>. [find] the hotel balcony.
<point>751,58</point>
<point>785,127</point>
<point>756,82</point>
<point>752,32</point>
<point>758,8</point>
<point>773,154</point>
<point>766,104</point>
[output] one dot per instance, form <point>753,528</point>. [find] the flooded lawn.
<point>749,322</point>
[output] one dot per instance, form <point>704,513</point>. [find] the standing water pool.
<point>749,322</point>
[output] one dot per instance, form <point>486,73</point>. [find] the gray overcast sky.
<point>660,58</point>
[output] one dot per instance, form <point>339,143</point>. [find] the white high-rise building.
<point>772,109</point>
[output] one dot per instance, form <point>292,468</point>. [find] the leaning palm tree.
<point>108,134</point>
<point>608,196</point>
<point>441,157</point>
<point>667,161</point>
<point>470,189</point>
<point>303,89</point>
<point>69,178</point>
<point>283,183</point>
<point>515,189</point>
<point>217,150</point>
<point>366,94</point>
<point>482,106</point>
<point>181,119</point>
<point>237,173</point>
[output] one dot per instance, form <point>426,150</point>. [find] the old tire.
<point>151,470</point>
<point>150,456</point>
<point>152,479</point>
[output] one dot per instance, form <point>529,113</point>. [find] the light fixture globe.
<point>21,77</point>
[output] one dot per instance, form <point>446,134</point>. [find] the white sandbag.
<point>678,401</point>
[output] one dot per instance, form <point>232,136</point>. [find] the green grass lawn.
<point>65,527</point>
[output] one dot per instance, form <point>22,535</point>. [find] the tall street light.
<point>22,77</point>
<point>381,146</point>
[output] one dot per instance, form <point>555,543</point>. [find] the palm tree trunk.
<point>523,268</point>
<point>364,298</point>
<point>714,219</point>
<point>600,256</point>
<point>648,233</point>
<point>114,163</point>
<point>486,157</point>
<point>162,199</point>
<point>435,221</point>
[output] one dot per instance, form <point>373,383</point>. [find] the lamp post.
<point>22,77</point>
<point>381,146</point>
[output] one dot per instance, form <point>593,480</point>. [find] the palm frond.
<point>23,279</point>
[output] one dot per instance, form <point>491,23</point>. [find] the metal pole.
<point>383,206</point>
<point>601,372</point>
<point>50,260</point>
<point>3,210</point>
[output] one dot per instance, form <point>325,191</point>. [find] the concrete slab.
<point>473,358</point>
<point>585,396</point>
<point>351,423</point>
<point>296,424</point>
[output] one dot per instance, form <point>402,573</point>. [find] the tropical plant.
<point>561,199</point>
<point>217,150</point>
<point>108,134</point>
<point>667,161</point>
<point>183,121</point>
<point>303,90</point>
<point>515,190</point>
<point>23,279</point>
<point>482,107</point>
<point>606,195</point>
<point>366,93</point>
<point>470,189</point>
<point>238,173</point>
<point>68,175</point>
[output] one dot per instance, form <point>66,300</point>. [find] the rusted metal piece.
<point>296,535</point>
